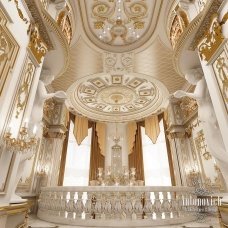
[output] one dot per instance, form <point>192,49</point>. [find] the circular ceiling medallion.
<point>117,98</point>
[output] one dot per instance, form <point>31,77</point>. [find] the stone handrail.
<point>117,205</point>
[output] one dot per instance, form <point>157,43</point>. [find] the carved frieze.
<point>36,43</point>
<point>118,62</point>
<point>212,39</point>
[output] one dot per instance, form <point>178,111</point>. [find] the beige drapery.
<point>135,159</point>
<point>96,158</point>
<point>152,128</point>
<point>131,131</point>
<point>101,133</point>
<point>80,128</point>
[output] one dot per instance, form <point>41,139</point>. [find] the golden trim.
<point>36,44</point>
<point>24,89</point>
<point>8,54</point>
<point>211,40</point>
<point>20,13</point>
<point>13,209</point>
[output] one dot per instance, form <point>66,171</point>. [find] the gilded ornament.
<point>212,39</point>
<point>98,24</point>
<point>36,43</point>
<point>139,24</point>
<point>20,12</point>
<point>8,51</point>
<point>23,92</point>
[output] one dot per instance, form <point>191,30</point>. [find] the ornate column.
<point>54,135</point>
<point>179,142</point>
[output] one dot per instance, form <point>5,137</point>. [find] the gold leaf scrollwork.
<point>24,88</point>
<point>222,68</point>
<point>21,15</point>
<point>36,43</point>
<point>212,39</point>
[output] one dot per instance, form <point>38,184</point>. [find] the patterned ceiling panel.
<point>121,24</point>
<point>83,61</point>
<point>157,62</point>
<point>117,98</point>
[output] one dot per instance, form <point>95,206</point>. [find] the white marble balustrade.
<point>135,206</point>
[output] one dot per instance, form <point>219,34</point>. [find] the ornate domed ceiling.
<point>119,25</point>
<point>120,60</point>
<point>117,98</point>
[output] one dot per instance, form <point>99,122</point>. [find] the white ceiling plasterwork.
<point>117,98</point>
<point>119,25</point>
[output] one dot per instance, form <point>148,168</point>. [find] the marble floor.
<point>210,222</point>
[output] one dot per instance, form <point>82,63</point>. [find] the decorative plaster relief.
<point>212,39</point>
<point>220,67</point>
<point>120,23</point>
<point>117,97</point>
<point>36,43</point>
<point>24,89</point>
<point>8,51</point>
<point>116,62</point>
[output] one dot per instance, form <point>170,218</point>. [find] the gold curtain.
<point>80,128</point>
<point>96,158</point>
<point>101,133</point>
<point>169,153</point>
<point>152,128</point>
<point>131,130</point>
<point>136,157</point>
<point>64,149</point>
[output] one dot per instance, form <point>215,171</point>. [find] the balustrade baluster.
<point>98,206</point>
<point>148,206</point>
<point>157,206</point>
<point>107,206</point>
<point>128,207</point>
<point>166,205</point>
<point>70,206</point>
<point>117,206</point>
<point>138,207</point>
<point>88,206</point>
<point>79,206</point>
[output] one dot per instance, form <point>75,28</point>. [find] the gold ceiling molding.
<point>44,20</point>
<point>38,19</point>
<point>8,51</point>
<point>196,27</point>
<point>135,11</point>
<point>117,98</point>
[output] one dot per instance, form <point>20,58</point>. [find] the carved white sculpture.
<point>36,120</point>
<point>208,118</point>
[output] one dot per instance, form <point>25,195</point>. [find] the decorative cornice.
<point>35,12</point>
<point>210,9</point>
<point>198,25</point>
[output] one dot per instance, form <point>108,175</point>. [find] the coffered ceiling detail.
<point>117,98</point>
<point>124,24</point>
